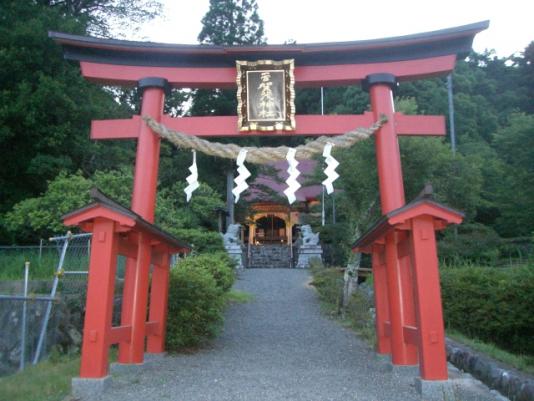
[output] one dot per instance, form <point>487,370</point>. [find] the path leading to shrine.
<point>279,347</point>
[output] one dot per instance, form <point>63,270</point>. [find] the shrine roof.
<point>100,199</point>
<point>450,41</point>
<point>423,204</point>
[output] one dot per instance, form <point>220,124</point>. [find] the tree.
<point>514,197</point>
<point>232,22</point>
<point>227,22</point>
<point>101,17</point>
<point>40,217</point>
<point>45,105</point>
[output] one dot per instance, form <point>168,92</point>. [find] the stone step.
<point>269,256</point>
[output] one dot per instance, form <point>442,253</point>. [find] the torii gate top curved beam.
<point>120,62</point>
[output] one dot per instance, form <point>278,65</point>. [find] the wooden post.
<point>432,355</point>
<point>158,304</point>
<point>136,347</point>
<point>383,344</point>
<point>99,308</point>
<point>144,204</point>
<point>391,197</point>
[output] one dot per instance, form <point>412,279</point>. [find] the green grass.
<point>523,363</point>
<point>12,264</point>
<point>46,381</point>
<point>239,297</point>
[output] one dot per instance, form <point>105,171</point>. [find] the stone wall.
<point>64,332</point>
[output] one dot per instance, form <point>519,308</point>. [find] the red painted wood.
<point>401,352</point>
<point>139,301</point>
<point>387,150</point>
<point>432,355</point>
<point>408,307</point>
<point>116,129</point>
<point>128,294</point>
<point>152,328</point>
<point>118,334</point>
<point>99,307</point>
<point>307,125</point>
<point>147,157</point>
<point>305,76</point>
<point>409,125</point>
<point>411,335</point>
<point>383,345</point>
<point>158,305</point>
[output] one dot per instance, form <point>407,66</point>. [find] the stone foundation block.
<point>85,389</point>
<point>435,390</point>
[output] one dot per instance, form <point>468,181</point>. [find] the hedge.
<point>197,299</point>
<point>218,264</point>
<point>195,311</point>
<point>492,304</point>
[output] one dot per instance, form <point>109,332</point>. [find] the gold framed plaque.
<point>266,95</point>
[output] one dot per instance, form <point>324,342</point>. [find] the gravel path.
<point>278,347</point>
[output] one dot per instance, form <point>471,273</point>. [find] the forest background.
<point>49,162</point>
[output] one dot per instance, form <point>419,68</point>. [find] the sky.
<point>308,21</point>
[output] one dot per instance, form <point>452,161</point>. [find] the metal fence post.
<point>40,251</point>
<point>46,317</point>
<point>24,320</point>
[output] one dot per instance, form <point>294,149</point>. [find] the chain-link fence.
<point>46,311</point>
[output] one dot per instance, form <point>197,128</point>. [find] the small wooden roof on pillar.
<point>423,205</point>
<point>127,221</point>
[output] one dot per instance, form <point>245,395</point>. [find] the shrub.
<point>492,304</point>
<point>474,243</point>
<point>329,284</point>
<point>195,308</point>
<point>218,265</point>
<point>336,240</point>
<point>201,241</point>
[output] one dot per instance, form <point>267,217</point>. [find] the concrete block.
<point>435,390</point>
<point>118,368</point>
<point>154,357</point>
<point>410,370</point>
<point>85,389</point>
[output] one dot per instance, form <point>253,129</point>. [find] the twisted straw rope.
<point>262,155</point>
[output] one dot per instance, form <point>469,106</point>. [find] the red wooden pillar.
<point>99,308</point>
<point>159,292</point>
<point>140,280</point>
<point>383,345</point>
<point>144,204</point>
<point>126,307</point>
<point>432,354</point>
<point>391,197</point>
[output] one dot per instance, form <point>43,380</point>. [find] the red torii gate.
<point>378,65</point>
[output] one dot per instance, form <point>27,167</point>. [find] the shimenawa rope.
<point>266,154</point>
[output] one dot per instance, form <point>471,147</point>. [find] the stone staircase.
<point>269,256</point>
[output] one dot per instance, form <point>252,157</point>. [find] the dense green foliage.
<point>197,296</point>
<point>218,264</point>
<point>39,217</point>
<point>492,304</point>
<point>46,107</point>
<point>489,177</point>
<point>358,310</point>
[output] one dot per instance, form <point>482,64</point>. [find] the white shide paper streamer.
<point>192,179</point>
<point>241,179</point>
<point>292,183</point>
<point>330,170</point>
